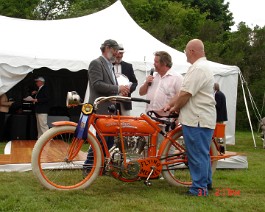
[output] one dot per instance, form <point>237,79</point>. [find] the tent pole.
<point>145,67</point>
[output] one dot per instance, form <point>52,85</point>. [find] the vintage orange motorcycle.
<point>137,154</point>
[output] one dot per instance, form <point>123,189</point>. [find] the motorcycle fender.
<point>164,143</point>
<point>64,123</point>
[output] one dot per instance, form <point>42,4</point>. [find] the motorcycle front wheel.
<point>58,159</point>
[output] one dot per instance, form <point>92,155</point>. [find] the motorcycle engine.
<point>134,147</point>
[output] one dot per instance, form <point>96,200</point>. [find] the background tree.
<point>80,8</point>
<point>51,9</point>
<point>216,10</point>
<point>18,9</point>
<point>169,22</point>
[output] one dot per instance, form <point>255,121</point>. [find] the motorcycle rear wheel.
<point>175,169</point>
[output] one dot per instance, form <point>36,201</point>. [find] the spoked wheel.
<point>58,159</point>
<point>175,162</point>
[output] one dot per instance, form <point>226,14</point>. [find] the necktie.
<point>113,76</point>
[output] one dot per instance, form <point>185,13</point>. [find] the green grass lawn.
<point>20,191</point>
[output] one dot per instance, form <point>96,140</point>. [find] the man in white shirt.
<point>197,114</point>
<point>163,85</point>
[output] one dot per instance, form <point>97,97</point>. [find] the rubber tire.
<point>40,173</point>
<point>169,177</point>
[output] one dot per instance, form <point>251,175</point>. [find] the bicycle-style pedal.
<point>222,149</point>
<point>147,183</point>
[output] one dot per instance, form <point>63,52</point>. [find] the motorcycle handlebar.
<point>118,99</point>
<point>140,100</point>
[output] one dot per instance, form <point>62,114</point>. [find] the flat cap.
<point>111,43</point>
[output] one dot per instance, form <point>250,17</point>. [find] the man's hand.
<point>149,80</point>
<point>167,107</point>
<point>174,109</point>
<point>178,102</point>
<point>124,90</point>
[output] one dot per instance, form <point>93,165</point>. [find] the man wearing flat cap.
<point>41,105</point>
<point>102,81</point>
<point>101,77</point>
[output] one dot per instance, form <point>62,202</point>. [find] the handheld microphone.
<point>151,73</point>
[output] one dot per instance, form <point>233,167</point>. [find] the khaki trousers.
<point>42,125</point>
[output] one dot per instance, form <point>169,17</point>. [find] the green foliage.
<point>79,8</point>
<point>18,9</point>
<point>245,48</point>
<point>51,9</point>
<point>174,24</point>
<point>216,10</point>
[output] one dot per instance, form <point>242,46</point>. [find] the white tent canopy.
<point>73,43</point>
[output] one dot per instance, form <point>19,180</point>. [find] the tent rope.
<point>246,105</point>
<point>254,106</point>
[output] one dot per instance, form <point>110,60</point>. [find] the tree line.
<point>175,22</point>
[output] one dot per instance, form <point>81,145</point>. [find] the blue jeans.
<point>198,141</point>
<point>89,161</point>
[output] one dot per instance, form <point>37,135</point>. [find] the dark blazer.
<point>127,70</point>
<point>42,106</point>
<point>101,83</point>
<point>221,111</point>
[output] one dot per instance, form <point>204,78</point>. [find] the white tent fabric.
<point>73,43</point>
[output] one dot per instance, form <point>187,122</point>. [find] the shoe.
<point>85,172</point>
<point>210,187</point>
<point>160,177</point>
<point>220,141</point>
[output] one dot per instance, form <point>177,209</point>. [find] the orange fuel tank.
<point>110,125</point>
